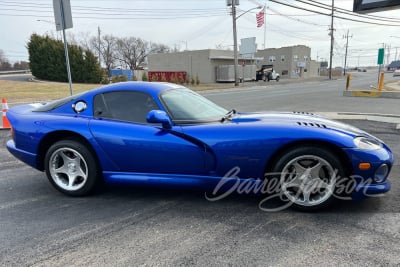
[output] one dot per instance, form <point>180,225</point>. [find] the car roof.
<point>153,88</point>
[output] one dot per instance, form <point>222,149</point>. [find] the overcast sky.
<point>203,24</point>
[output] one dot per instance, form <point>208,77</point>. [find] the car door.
<point>119,126</point>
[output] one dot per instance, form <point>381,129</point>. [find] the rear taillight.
<point>12,133</point>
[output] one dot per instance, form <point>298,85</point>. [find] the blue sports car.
<point>163,133</point>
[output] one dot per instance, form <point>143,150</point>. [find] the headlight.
<point>381,173</point>
<point>367,143</point>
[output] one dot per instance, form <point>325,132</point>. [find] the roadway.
<point>16,77</point>
<point>126,226</point>
<point>308,95</point>
<point>142,226</point>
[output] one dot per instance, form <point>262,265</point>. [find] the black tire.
<point>71,168</point>
<point>324,170</point>
<point>277,79</point>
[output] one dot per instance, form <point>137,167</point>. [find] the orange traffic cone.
<point>4,108</point>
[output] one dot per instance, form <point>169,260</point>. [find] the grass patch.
<point>29,92</point>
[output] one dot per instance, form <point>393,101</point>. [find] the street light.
<point>234,18</point>
<point>49,22</point>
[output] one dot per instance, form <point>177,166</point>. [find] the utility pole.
<point>235,55</point>
<point>345,55</point>
<point>331,50</point>
<point>388,55</point>
<point>98,31</point>
<point>265,25</point>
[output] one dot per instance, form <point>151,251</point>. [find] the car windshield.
<point>185,105</point>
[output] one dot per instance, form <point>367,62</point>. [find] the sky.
<point>207,24</point>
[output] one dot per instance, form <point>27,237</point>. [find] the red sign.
<point>168,76</point>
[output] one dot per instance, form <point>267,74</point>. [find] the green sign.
<point>381,54</point>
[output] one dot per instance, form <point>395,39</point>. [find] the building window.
<point>305,58</point>
<point>285,72</point>
<point>282,58</point>
<point>295,57</point>
<point>272,58</point>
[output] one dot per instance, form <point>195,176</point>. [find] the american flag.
<point>260,18</point>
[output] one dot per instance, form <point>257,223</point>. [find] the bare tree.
<point>2,56</point>
<point>106,48</point>
<point>84,41</point>
<point>4,63</point>
<point>133,51</point>
<point>21,65</point>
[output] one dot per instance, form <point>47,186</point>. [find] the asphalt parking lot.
<point>130,226</point>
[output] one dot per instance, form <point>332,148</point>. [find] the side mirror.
<point>159,116</point>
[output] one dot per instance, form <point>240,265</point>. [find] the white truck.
<point>267,73</point>
<point>272,75</point>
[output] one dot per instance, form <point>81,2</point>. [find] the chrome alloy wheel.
<point>308,180</point>
<point>68,169</point>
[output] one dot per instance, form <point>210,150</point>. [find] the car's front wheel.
<point>71,168</point>
<point>308,177</point>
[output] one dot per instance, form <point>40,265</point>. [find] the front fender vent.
<point>311,124</point>
<point>303,113</point>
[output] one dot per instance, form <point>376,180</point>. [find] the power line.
<point>296,19</point>
<point>349,12</point>
<point>336,16</point>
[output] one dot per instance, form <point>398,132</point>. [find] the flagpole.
<point>265,26</point>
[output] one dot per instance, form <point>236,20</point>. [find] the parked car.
<point>165,134</point>
<point>396,73</point>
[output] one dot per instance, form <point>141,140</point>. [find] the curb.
<point>369,93</point>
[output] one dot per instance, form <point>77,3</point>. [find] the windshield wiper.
<point>228,115</point>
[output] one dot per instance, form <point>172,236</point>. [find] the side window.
<point>124,106</point>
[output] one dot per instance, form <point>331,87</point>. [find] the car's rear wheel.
<point>71,168</point>
<point>308,177</point>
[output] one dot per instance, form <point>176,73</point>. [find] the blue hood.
<point>302,119</point>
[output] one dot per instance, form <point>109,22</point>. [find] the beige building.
<point>201,63</point>
<point>290,62</point>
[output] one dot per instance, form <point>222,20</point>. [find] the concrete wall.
<point>193,62</point>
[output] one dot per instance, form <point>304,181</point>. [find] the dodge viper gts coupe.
<point>165,134</point>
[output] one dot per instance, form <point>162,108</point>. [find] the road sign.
<point>63,18</point>
<point>381,55</point>
<point>62,14</point>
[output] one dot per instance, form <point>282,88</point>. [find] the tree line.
<point>47,61</point>
<point>6,65</point>
<point>87,54</point>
